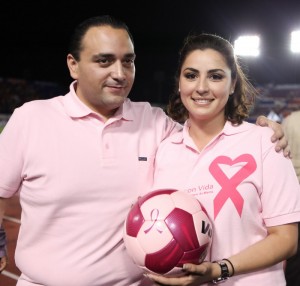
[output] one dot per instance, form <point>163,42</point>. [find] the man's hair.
<point>75,45</point>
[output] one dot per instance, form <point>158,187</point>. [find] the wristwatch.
<point>224,273</point>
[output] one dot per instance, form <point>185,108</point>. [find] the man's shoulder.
<point>38,108</point>
<point>292,119</point>
<point>295,115</point>
<point>144,105</point>
<point>41,103</point>
<point>145,112</point>
<point>144,108</point>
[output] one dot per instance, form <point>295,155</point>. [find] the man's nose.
<point>118,71</point>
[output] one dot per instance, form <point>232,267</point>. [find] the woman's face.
<point>205,85</point>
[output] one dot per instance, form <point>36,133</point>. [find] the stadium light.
<point>247,46</point>
<point>295,41</point>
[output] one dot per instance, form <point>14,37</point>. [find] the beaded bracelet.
<point>225,259</point>
<point>224,272</point>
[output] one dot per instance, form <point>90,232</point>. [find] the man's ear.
<point>73,66</point>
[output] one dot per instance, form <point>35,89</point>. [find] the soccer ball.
<point>164,230</point>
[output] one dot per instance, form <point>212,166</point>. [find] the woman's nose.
<point>202,86</point>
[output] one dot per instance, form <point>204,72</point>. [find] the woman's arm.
<point>279,245</point>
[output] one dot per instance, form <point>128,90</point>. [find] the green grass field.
<point>3,120</point>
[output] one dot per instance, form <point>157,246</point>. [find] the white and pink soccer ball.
<point>165,229</point>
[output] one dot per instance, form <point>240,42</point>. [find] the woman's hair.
<point>239,103</point>
<point>75,45</point>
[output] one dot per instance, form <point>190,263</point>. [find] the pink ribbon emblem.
<point>229,185</point>
<point>154,217</point>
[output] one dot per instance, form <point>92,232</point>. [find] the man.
<point>79,161</point>
<point>3,255</point>
<point>292,130</point>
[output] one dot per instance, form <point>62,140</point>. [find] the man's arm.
<point>3,252</point>
<point>282,143</point>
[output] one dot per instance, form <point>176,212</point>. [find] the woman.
<point>250,192</point>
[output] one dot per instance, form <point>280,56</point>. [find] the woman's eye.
<point>190,76</point>
<point>216,77</point>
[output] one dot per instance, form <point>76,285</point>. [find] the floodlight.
<point>295,41</point>
<point>247,46</point>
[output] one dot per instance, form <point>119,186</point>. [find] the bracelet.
<point>225,259</point>
<point>224,273</point>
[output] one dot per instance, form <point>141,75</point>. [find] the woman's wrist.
<point>230,266</point>
<point>224,270</point>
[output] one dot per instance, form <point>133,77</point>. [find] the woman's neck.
<point>202,132</point>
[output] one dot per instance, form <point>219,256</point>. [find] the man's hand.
<point>282,143</point>
<point>3,263</point>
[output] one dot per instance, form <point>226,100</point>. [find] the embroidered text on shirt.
<point>142,158</point>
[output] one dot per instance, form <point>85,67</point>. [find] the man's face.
<point>105,71</point>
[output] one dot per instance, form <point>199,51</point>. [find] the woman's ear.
<point>232,87</point>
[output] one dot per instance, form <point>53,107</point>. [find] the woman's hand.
<point>194,275</point>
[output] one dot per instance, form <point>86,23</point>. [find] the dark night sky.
<point>34,37</point>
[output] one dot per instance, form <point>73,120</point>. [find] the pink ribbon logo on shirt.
<point>229,185</point>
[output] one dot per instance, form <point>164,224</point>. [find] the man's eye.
<point>128,62</point>
<point>102,61</point>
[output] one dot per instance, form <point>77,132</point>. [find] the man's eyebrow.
<point>108,55</point>
<point>103,55</point>
<point>130,55</point>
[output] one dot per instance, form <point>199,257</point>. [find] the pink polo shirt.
<point>242,182</point>
<point>78,177</point>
